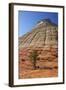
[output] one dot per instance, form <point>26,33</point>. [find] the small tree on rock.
<point>33,57</point>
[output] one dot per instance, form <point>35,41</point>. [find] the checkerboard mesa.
<point>45,33</point>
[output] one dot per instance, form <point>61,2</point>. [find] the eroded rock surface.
<point>44,39</point>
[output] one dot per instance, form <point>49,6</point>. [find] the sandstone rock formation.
<point>44,39</point>
<point>43,34</point>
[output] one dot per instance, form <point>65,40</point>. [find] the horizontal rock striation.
<point>44,34</point>
<point>44,39</point>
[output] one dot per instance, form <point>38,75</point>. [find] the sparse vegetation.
<point>33,57</point>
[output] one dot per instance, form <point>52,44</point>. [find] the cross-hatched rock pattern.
<point>43,34</point>
<point>44,39</point>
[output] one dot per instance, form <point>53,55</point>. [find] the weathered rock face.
<point>44,39</point>
<point>44,34</point>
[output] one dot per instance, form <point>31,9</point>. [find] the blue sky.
<point>28,19</point>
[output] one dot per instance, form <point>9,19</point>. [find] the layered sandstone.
<point>44,39</point>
